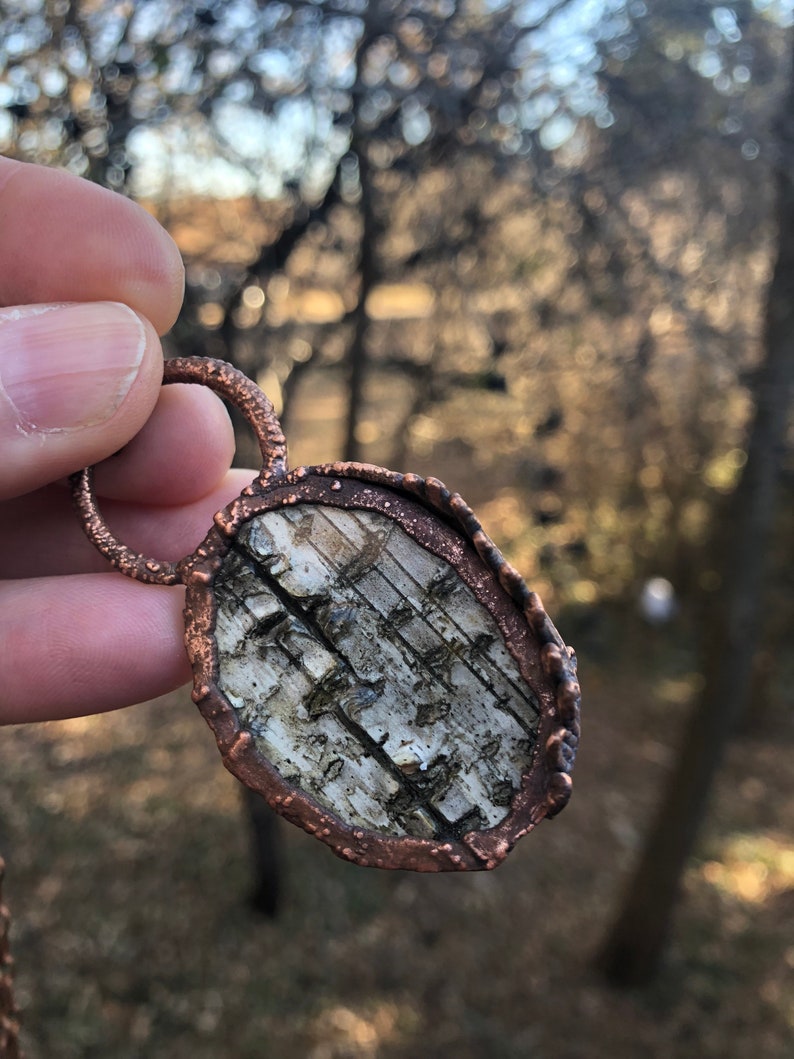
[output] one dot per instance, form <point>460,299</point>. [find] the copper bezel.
<point>441,522</point>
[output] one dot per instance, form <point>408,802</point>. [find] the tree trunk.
<point>633,949</point>
<point>266,854</point>
<point>357,353</point>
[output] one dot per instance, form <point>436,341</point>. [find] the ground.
<point>128,873</point>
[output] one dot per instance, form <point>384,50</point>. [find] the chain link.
<point>9,1015</point>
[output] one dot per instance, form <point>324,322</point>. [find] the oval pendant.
<point>367,659</point>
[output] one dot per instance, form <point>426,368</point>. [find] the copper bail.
<point>246,396</point>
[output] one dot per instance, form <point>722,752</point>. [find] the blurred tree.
<point>573,195</point>
<point>634,947</point>
<point>303,95</point>
<point>344,102</point>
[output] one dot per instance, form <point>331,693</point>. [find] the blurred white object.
<point>657,601</point>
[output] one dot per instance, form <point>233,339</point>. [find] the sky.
<point>244,151</point>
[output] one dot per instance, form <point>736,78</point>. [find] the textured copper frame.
<point>442,523</point>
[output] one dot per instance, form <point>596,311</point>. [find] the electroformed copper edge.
<point>546,663</point>
<point>224,379</point>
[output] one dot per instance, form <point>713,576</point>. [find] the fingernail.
<point>64,367</point>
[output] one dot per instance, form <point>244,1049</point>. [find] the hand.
<point>87,282</point>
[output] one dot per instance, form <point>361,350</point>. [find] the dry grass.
<point>128,873</point>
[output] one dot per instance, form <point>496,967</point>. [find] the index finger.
<point>65,240</point>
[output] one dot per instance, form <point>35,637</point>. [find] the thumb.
<point>77,382</point>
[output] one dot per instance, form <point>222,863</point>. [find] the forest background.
<point>544,251</point>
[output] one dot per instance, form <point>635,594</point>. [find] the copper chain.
<point>9,1015</point>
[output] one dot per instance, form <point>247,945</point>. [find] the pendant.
<point>365,657</point>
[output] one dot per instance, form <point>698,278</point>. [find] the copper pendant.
<point>365,656</point>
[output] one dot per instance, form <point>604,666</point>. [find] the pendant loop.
<point>257,409</point>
